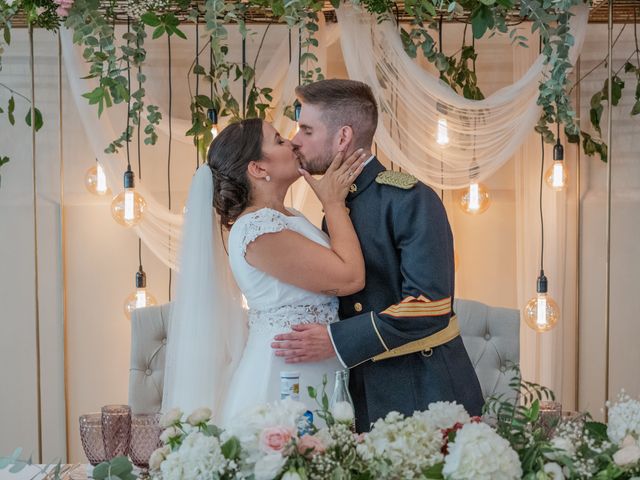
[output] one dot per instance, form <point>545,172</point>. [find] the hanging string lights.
<point>95,180</point>
<point>557,175</point>
<point>541,313</point>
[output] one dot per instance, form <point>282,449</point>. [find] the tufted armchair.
<point>490,334</point>
<point>149,327</point>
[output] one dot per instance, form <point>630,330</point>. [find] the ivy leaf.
<point>616,90</point>
<point>481,21</point>
<point>39,121</point>
<point>158,32</point>
<point>636,108</point>
<point>204,101</point>
<point>7,35</point>
<point>629,67</point>
<point>150,19</point>
<point>12,108</point>
<point>199,70</point>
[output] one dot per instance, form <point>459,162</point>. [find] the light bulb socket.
<point>297,108</point>
<point>141,279</point>
<point>541,286</point>
<point>442,108</point>
<point>212,115</point>
<point>558,151</point>
<point>474,170</point>
<point>129,181</point>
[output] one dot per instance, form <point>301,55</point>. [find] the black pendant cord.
<point>289,32</point>
<point>540,200</point>
<point>127,136</point>
<point>197,82</point>
<point>139,153</point>
<point>169,146</point>
<point>244,78</point>
<point>299,56</point>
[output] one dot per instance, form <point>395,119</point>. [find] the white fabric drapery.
<point>483,134</point>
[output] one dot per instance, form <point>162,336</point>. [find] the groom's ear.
<point>345,138</point>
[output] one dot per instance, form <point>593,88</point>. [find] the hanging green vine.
<point>114,62</point>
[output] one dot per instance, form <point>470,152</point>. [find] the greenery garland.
<point>92,23</point>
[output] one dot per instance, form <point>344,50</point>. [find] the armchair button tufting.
<point>503,369</point>
<point>164,341</point>
<point>487,336</point>
<point>147,372</point>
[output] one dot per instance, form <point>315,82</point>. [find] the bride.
<point>288,270</point>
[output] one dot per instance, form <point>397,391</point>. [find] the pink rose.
<point>274,439</point>
<point>310,446</point>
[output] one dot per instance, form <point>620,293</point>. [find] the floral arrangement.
<point>511,441</point>
<point>282,441</point>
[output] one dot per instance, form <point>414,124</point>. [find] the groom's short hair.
<point>344,102</point>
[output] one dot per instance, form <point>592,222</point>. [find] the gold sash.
<point>425,344</point>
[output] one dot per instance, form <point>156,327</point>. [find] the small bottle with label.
<point>290,385</point>
<point>341,404</point>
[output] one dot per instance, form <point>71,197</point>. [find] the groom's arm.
<point>423,237</point>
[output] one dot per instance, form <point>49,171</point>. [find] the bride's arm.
<point>296,260</point>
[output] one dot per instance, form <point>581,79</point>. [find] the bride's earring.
<point>267,178</point>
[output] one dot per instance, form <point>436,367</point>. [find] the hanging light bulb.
<point>128,206</point>
<point>95,181</point>
<point>541,313</point>
<point>556,176</point>
<point>140,298</point>
<point>297,109</point>
<point>442,132</point>
<point>475,199</point>
<point>212,114</point>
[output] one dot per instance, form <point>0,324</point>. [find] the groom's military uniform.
<point>399,336</point>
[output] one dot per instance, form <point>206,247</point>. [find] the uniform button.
<point>353,188</point>
<point>357,307</point>
<point>147,372</point>
<point>487,337</point>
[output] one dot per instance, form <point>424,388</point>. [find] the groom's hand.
<point>306,343</point>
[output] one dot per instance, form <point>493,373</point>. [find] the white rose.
<point>171,417</point>
<point>291,475</point>
<point>627,455</point>
<point>201,415</point>
<point>563,444</point>
<point>158,456</point>
<point>628,440</point>
<point>171,432</point>
<point>342,412</point>
<point>269,466</point>
<point>554,471</point>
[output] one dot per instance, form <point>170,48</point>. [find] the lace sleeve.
<point>261,222</point>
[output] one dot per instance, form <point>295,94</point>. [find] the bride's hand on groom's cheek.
<point>306,343</point>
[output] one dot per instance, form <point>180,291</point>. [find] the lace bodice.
<point>274,304</point>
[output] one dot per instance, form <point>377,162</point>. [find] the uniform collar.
<point>371,170</point>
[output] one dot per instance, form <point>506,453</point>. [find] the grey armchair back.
<point>490,334</point>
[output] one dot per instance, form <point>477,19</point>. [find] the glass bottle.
<point>341,404</point>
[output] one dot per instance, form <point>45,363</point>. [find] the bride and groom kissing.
<point>372,293</point>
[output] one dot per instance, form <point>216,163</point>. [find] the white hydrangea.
<point>445,415</point>
<point>624,418</point>
<point>136,8</point>
<point>401,448</point>
<point>198,457</point>
<point>478,452</point>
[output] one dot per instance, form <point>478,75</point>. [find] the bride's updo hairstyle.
<point>229,154</point>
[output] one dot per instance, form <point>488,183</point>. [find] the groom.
<point>399,336</point>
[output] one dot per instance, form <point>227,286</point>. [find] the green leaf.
<point>158,32</point>
<point>4,161</point>
<point>597,429</point>
<point>12,108</point>
<point>39,121</point>
<point>199,70</point>
<point>7,35</point>
<point>204,101</point>
<point>636,108</point>
<point>616,90</point>
<point>629,67</point>
<point>231,448</point>
<point>150,19</point>
<point>178,32</point>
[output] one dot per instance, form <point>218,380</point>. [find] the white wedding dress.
<point>274,306</point>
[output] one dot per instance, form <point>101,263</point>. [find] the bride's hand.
<point>333,187</point>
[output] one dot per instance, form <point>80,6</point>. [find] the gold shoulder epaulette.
<point>396,179</point>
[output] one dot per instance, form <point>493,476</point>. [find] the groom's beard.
<point>317,165</point>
